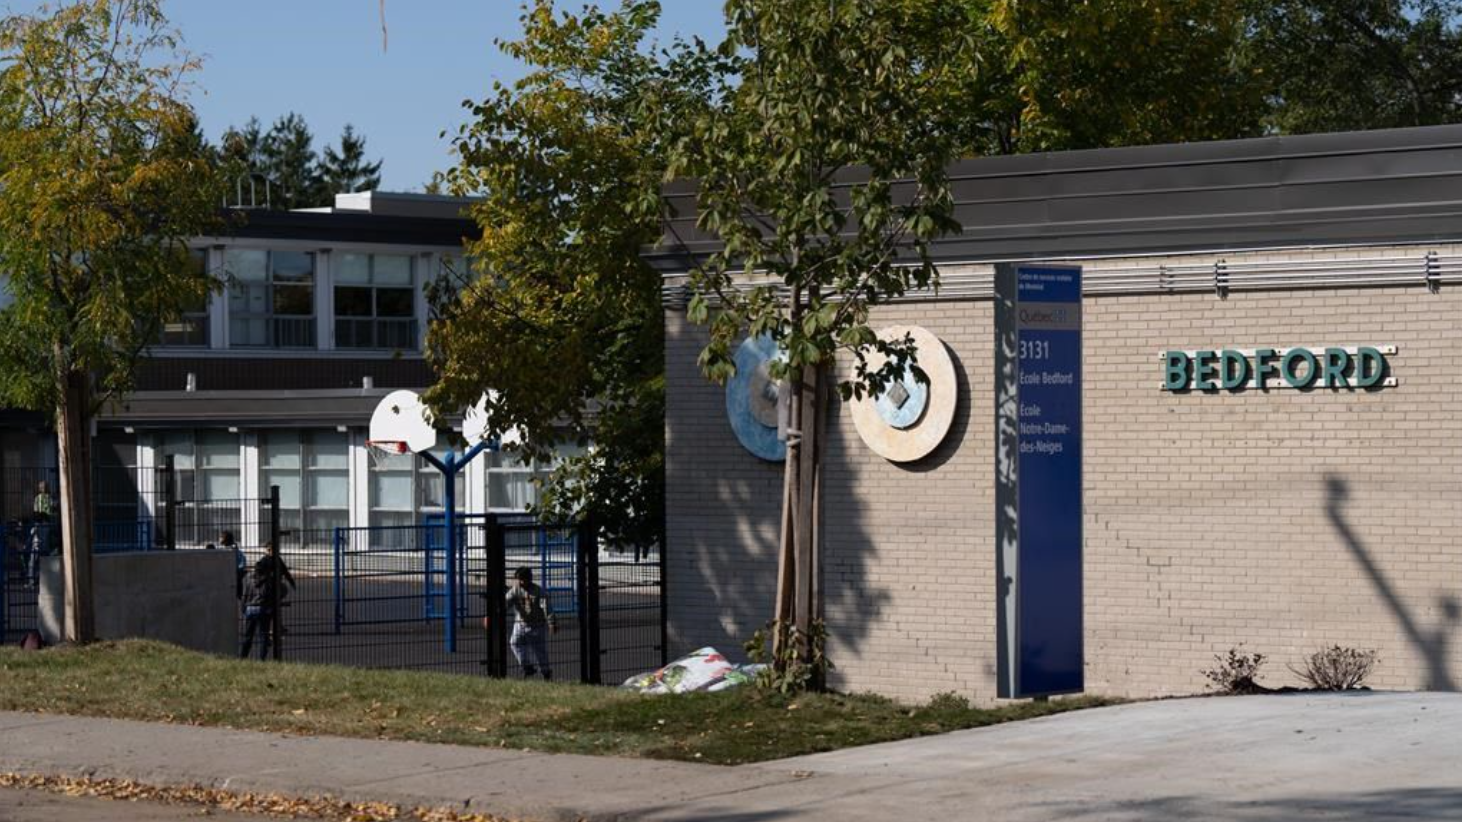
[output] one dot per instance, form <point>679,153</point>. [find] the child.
<point>534,623</point>
<point>259,605</point>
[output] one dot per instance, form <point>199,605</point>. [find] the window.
<point>312,471</point>
<point>121,521</point>
<point>206,466</point>
<point>191,329</point>
<point>375,302</point>
<point>511,482</point>
<point>405,488</point>
<point>271,298</point>
<point>391,490</point>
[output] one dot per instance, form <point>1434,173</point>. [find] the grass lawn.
<point>162,683</point>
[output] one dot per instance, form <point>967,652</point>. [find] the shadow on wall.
<point>855,601</point>
<point>1412,804</point>
<point>1430,642</point>
<point>725,504</point>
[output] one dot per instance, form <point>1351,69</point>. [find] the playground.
<point>427,596</point>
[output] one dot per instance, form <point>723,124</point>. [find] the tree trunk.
<point>74,439</point>
<point>799,568</point>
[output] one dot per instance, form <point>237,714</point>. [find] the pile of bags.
<point>702,670</point>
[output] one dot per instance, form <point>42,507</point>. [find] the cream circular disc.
<point>909,419</point>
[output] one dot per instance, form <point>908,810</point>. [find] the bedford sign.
<point>1359,367</point>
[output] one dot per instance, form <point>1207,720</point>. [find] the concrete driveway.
<point>1356,757</point>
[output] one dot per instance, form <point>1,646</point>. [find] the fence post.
<point>277,616</point>
<point>497,608</point>
<point>338,578</point>
<point>169,502</point>
<point>589,558</point>
<point>449,554</point>
<point>664,598</point>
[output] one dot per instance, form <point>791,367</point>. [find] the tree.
<point>245,145</point>
<point>346,170</point>
<point>1340,65</point>
<point>290,164</point>
<point>102,182</point>
<point>821,166</point>
<point>561,319</point>
<point>284,158</point>
<point>1074,74</point>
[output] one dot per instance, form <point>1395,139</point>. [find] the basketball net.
<point>382,450</point>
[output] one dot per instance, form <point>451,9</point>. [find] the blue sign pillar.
<point>1038,479</point>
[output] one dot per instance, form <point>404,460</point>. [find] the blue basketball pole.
<point>449,466</point>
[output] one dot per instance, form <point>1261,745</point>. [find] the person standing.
<point>534,621</point>
<point>260,601</point>
<point>263,596</point>
<point>43,515</point>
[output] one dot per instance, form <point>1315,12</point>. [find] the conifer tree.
<point>346,170</point>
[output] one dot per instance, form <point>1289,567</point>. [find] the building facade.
<point>1281,520</point>
<point>272,382</point>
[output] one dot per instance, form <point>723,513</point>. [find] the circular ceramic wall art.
<point>751,400</point>
<point>909,419</point>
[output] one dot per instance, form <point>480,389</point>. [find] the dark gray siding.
<point>1378,186</point>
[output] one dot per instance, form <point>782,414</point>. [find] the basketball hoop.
<point>383,450</point>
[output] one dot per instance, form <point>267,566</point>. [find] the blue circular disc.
<point>903,403</point>
<point>754,435</point>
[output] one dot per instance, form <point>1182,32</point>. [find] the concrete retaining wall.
<point>183,597</point>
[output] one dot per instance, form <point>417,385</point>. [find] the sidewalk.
<point>515,784</point>
<point>1361,757</point>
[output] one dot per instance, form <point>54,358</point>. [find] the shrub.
<point>786,672</point>
<point>949,701</point>
<point>1336,668</point>
<point>1235,672</point>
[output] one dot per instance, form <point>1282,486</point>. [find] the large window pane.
<point>249,298</point>
<point>218,465</point>
<point>391,491</point>
<point>328,449</point>
<point>327,479</point>
<point>247,265</point>
<point>329,489</point>
<point>392,269</point>
<point>279,449</point>
<point>249,331</point>
<point>292,266</point>
<point>510,491</point>
<point>218,449</point>
<point>191,328</point>
<point>352,302</point>
<point>395,302</point>
<point>353,268</point>
<point>289,487</point>
<point>294,300</point>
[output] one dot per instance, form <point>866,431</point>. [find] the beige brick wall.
<point>1211,520</point>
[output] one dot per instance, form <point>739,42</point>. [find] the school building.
<point>1314,509</point>
<point>271,382</point>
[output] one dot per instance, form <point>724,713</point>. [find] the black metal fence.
<point>379,597</point>
<point>394,597</point>
<point>129,510</point>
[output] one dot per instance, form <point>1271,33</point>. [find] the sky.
<point>324,60</point>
